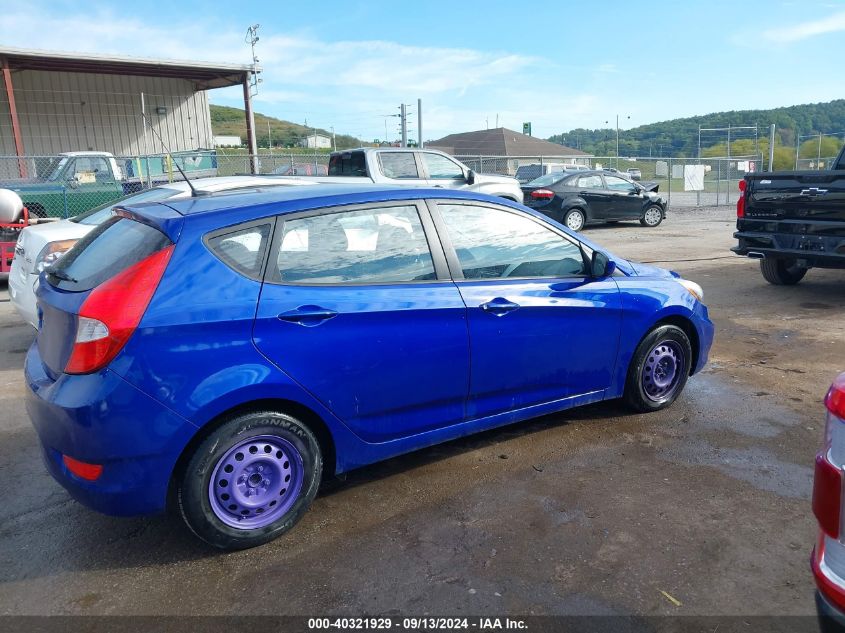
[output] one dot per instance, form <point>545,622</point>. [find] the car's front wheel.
<point>250,480</point>
<point>659,369</point>
<point>652,216</point>
<point>574,219</point>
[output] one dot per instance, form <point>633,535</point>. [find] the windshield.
<point>101,214</point>
<point>55,167</point>
<point>545,181</point>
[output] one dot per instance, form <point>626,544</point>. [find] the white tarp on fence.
<point>693,177</point>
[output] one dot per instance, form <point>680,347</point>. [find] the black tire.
<point>781,272</point>
<point>653,211</point>
<point>193,496</point>
<point>645,399</point>
<point>575,217</point>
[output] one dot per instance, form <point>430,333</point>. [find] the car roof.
<point>281,200</point>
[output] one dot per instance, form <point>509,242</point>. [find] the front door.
<point>353,310</point>
<point>598,199</point>
<point>626,198</point>
<point>541,328</point>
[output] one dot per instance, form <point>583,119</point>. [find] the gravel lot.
<point>595,511</point>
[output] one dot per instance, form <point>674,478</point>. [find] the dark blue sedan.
<point>222,354</point>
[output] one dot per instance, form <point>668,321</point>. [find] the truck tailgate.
<point>812,196</point>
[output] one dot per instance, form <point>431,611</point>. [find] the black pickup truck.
<point>793,221</point>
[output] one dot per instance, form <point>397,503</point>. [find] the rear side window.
<point>398,165</point>
<point>109,249</point>
<point>348,164</point>
<point>242,248</point>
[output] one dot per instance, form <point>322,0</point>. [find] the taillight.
<point>827,496</point>
<point>112,311</point>
<point>827,483</point>
<point>740,202</point>
<point>542,194</point>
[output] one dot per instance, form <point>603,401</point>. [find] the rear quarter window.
<point>348,164</point>
<point>242,248</point>
<point>109,249</point>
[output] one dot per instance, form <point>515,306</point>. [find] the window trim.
<point>238,228</point>
<point>454,262</point>
<point>435,249</point>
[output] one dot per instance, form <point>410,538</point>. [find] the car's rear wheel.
<point>250,480</point>
<point>782,272</point>
<point>652,216</point>
<point>574,219</point>
<point>659,369</point>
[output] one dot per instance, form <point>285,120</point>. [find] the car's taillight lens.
<point>740,202</point>
<point>827,483</point>
<point>542,194</point>
<point>112,311</point>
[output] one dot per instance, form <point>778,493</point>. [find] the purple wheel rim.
<point>255,482</point>
<point>662,370</point>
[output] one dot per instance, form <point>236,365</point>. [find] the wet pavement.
<point>595,511</point>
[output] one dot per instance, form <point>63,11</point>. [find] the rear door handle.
<point>308,316</point>
<point>499,306</point>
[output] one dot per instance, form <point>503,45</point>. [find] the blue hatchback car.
<point>222,354</point>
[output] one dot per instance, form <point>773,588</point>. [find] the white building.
<point>316,141</point>
<point>227,141</point>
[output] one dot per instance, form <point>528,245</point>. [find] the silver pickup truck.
<point>415,168</point>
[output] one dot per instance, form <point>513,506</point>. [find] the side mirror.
<point>470,177</point>
<point>602,265</point>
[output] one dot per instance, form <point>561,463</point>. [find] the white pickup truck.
<point>416,168</point>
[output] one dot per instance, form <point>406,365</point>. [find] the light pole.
<point>617,137</point>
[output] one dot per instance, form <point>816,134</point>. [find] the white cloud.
<point>793,33</point>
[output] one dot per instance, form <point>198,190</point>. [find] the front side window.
<point>493,244</point>
<point>380,245</point>
<point>441,168</point>
<point>614,183</point>
<point>398,165</point>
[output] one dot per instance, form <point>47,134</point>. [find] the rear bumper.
<point>102,419</point>
<point>22,295</point>
<point>822,251</point>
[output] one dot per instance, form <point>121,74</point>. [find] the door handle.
<point>499,306</point>
<point>308,316</point>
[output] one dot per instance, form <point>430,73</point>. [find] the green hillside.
<point>679,137</point>
<point>226,121</point>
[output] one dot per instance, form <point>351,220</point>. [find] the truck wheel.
<point>782,272</point>
<point>659,369</point>
<point>250,480</point>
<point>35,209</point>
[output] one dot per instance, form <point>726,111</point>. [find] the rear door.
<point>358,308</point>
<point>540,327</point>
<point>591,188</point>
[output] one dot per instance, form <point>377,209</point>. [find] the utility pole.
<point>772,148</point>
<point>404,125</point>
<point>819,159</point>
<point>269,137</point>
<point>334,140</point>
<point>420,142</point>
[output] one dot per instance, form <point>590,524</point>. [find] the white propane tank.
<point>11,206</point>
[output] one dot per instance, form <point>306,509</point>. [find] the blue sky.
<point>559,64</point>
